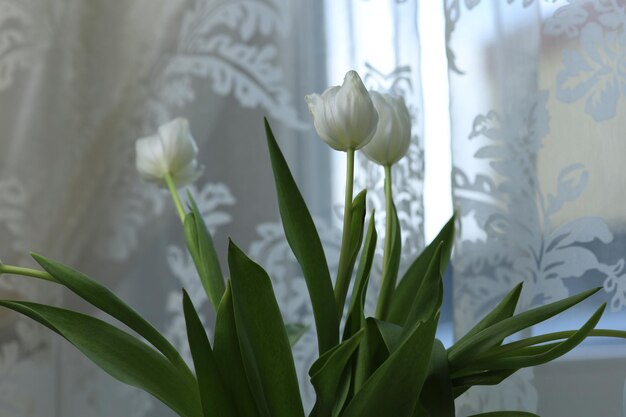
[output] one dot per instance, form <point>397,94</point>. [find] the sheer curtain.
<point>536,118</point>
<point>81,80</point>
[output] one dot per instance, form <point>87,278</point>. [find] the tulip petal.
<point>179,147</point>
<point>344,117</point>
<point>149,157</point>
<point>355,107</point>
<point>392,138</point>
<point>323,119</point>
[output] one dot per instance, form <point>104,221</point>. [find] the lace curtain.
<point>535,118</point>
<point>80,81</point>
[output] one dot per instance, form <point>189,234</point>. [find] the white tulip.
<point>392,138</point>
<point>345,116</point>
<point>173,150</point>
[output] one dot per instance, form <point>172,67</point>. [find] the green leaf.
<point>215,400</point>
<point>429,297</point>
<point>437,397</point>
<point>528,343</point>
<point>227,352</point>
<point>119,354</point>
<point>101,297</point>
<point>262,336</point>
<point>506,414</point>
<point>393,390</point>
<point>504,310</point>
<point>412,280</point>
<point>343,392</point>
<point>355,315</point>
<point>420,411</point>
<point>380,340</point>
<point>307,247</point>
<point>327,373</point>
<point>391,274</point>
<point>358,220</point>
<point>391,334</point>
<point>295,331</point>
<point>373,352</point>
<point>471,348</point>
<point>202,250</point>
<point>356,228</point>
<point>542,354</point>
<point>356,318</point>
<point>482,378</point>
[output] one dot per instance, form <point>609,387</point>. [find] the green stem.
<point>27,272</point>
<point>179,205</point>
<point>343,279</point>
<point>386,286</point>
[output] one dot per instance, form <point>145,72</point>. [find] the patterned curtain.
<point>81,80</point>
<point>537,119</point>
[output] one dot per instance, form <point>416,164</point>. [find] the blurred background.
<point>518,125</point>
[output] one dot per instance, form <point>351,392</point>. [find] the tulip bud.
<point>345,116</point>
<point>173,150</point>
<point>392,138</point>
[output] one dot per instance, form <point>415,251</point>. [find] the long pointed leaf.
<point>356,228</point>
<point>327,375</point>
<point>393,390</point>
<point>380,340</point>
<point>215,400</point>
<point>307,247</point>
<point>545,354</point>
<point>482,378</point>
<point>391,334</point>
<point>101,297</point>
<point>410,283</point>
<point>227,353</point>
<point>119,354</point>
<point>504,310</point>
<point>202,250</point>
<point>564,334</point>
<point>373,352</point>
<point>262,335</point>
<point>437,396</point>
<point>429,297</point>
<point>391,274</point>
<point>357,300</point>
<point>343,392</point>
<point>360,368</point>
<point>486,339</point>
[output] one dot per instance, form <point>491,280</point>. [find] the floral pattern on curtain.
<point>536,130</point>
<point>80,81</point>
<point>537,117</point>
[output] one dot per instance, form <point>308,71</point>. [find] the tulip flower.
<point>389,144</point>
<point>172,151</point>
<point>346,119</point>
<point>169,157</point>
<point>345,116</point>
<point>392,138</point>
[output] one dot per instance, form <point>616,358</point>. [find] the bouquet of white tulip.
<point>387,365</point>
